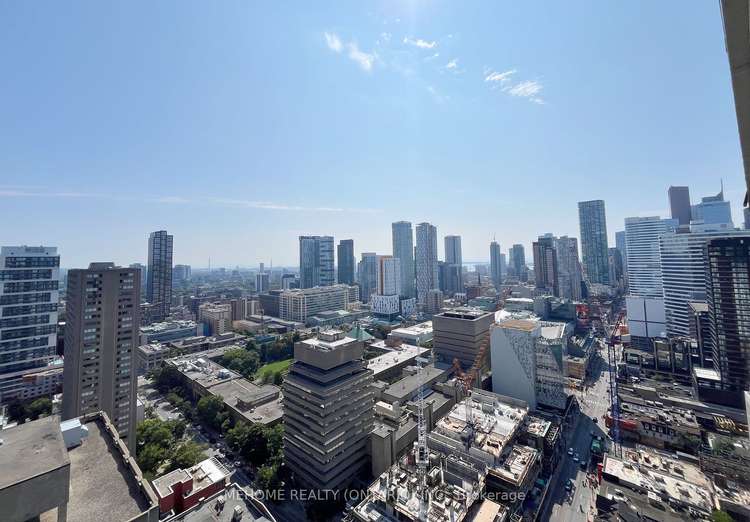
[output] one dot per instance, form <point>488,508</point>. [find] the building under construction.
<point>471,451</point>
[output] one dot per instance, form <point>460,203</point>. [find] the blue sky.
<point>238,126</point>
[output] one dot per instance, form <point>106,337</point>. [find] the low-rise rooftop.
<point>395,357</point>
<point>230,505</point>
<point>661,476</point>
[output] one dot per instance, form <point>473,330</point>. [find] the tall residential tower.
<point>101,337</point>
<point>28,311</point>
<point>316,261</point>
<point>346,261</point>
<point>159,280</point>
<point>593,224</point>
<point>426,260</point>
<point>403,249</point>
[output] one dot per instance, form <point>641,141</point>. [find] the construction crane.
<point>613,396</point>
<point>422,452</point>
<point>467,379</point>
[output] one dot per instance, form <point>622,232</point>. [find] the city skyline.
<point>225,158</point>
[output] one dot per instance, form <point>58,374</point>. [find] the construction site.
<point>471,453</point>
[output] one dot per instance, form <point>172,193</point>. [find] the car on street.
<point>584,464</point>
<point>568,485</point>
<point>576,459</point>
<point>596,421</point>
<point>570,451</point>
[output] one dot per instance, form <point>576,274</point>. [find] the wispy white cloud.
<point>333,42</point>
<point>452,64</point>
<point>525,89</point>
<point>505,81</point>
<point>431,57</point>
<point>418,42</point>
<point>363,59</point>
<point>498,79</point>
<point>269,205</point>
<point>386,37</point>
<point>35,193</point>
<point>176,199</point>
<point>437,96</point>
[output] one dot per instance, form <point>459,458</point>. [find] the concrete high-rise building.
<point>513,357</point>
<point>496,265</point>
<point>460,334</point>
<point>159,282</point>
<point>545,264</point>
<point>593,224</point>
<point>101,337</point>
<point>262,283</point>
<point>644,262</point>
<point>746,221</point>
<point>181,273</point>
<point>403,249</point>
<point>388,275</point>
<point>568,268</point>
<point>241,308</point>
<point>367,275</point>
<point>346,261</point>
<point>517,262</point>
<point>679,204</point>
<point>426,260</point>
<point>620,244</point>
<point>433,301</point>
<point>316,261</point>
<point>28,308</point>
<point>454,264</point>
<point>328,411</point>
<point>713,210</point>
<point>728,288</point>
<point>144,273</point>
<point>615,267</point>
<point>385,301</point>
<point>683,271</point>
<point>217,317</point>
<point>301,304</point>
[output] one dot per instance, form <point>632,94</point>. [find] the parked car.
<point>570,451</point>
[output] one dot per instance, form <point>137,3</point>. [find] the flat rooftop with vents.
<point>91,478</point>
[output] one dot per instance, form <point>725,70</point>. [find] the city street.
<point>575,505</point>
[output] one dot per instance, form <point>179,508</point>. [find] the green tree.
<point>238,436</point>
<point>256,446</point>
<point>17,412</point>
<point>275,441</point>
<point>150,458</point>
<point>242,361</point>
<point>267,478</point>
<point>154,432</point>
<point>177,427</point>
<point>40,407</point>
<point>186,454</point>
<point>721,516</point>
<point>166,378</point>
<point>277,378</point>
<point>211,410</point>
